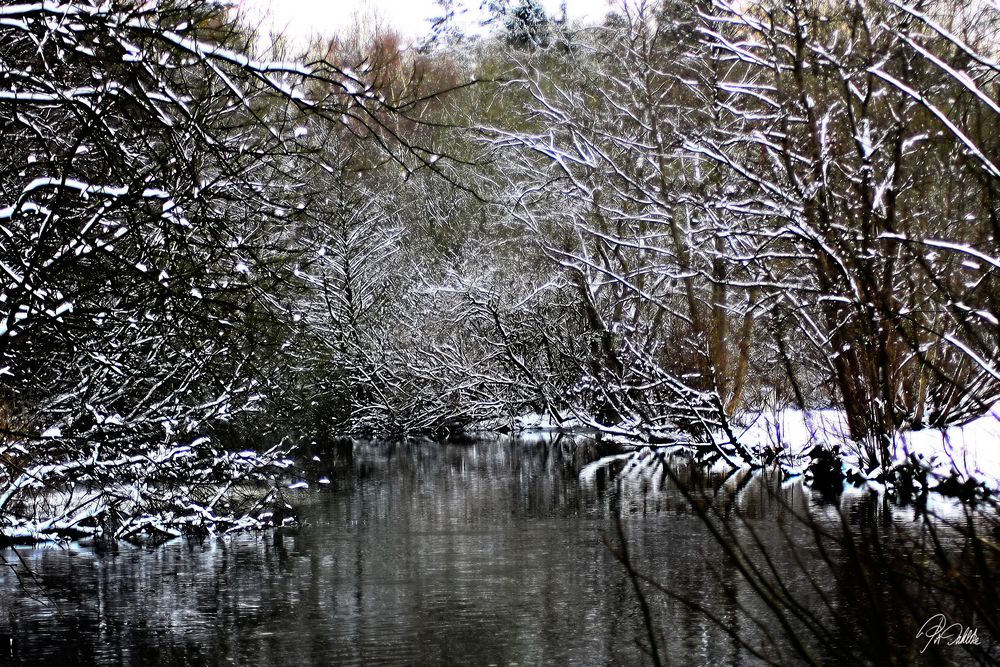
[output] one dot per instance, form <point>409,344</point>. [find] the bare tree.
<point>848,173</point>
<point>151,222</point>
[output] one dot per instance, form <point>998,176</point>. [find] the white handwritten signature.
<point>938,630</point>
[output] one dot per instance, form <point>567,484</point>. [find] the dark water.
<point>485,553</point>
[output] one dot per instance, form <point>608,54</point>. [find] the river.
<point>488,552</point>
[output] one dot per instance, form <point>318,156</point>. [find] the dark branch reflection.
<point>485,552</point>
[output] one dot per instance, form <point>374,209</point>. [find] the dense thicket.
<point>154,226</point>
<point>730,207</point>
<point>756,205</point>
<point>657,226</point>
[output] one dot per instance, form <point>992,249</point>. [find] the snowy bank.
<point>532,421</point>
<point>967,452</point>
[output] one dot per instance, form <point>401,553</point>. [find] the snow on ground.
<point>794,432</point>
<point>537,422</point>
<point>970,450</point>
<point>532,421</point>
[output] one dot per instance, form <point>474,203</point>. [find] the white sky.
<point>300,19</point>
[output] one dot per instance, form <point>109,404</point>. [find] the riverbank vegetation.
<point>668,227</point>
<point>804,574</point>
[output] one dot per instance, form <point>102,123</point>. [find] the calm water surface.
<point>484,553</point>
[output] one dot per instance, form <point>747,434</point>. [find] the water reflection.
<point>801,575</point>
<point>486,552</point>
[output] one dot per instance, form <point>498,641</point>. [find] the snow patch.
<point>968,451</point>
